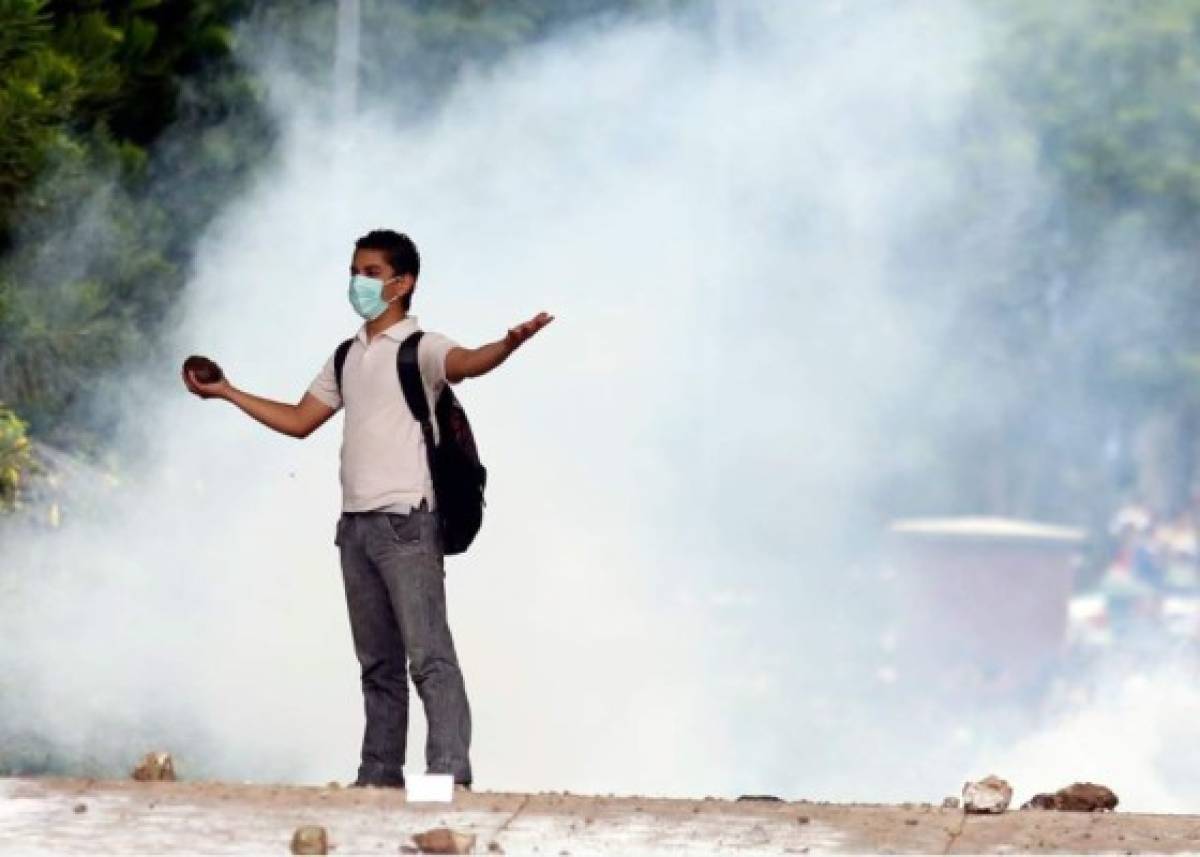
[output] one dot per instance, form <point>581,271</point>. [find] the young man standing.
<point>388,533</point>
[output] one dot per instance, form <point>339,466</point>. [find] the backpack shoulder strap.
<point>414,393</point>
<point>409,369</point>
<point>339,361</point>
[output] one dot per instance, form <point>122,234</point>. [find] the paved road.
<point>62,816</point>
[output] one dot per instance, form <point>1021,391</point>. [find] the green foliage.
<point>37,94</point>
<point>1111,89</point>
<point>1070,339</point>
<point>87,87</point>
<point>15,458</point>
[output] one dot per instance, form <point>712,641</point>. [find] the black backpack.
<point>458,475</point>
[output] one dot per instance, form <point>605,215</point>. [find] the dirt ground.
<point>66,816</point>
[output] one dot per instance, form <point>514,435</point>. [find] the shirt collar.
<point>399,331</point>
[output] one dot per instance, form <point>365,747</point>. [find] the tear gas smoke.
<point>662,599</point>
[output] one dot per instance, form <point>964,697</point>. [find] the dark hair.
<point>401,253</point>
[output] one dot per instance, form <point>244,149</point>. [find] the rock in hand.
<point>203,370</point>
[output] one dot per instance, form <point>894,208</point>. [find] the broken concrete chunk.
<point>443,840</point>
<point>310,839</point>
<point>1080,797</point>
<point>989,795</point>
<point>155,767</point>
<point>950,803</point>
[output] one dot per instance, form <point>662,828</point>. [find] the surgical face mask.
<point>366,296</point>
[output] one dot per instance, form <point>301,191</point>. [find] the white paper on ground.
<point>430,788</point>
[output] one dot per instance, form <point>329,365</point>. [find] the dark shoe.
<point>375,784</point>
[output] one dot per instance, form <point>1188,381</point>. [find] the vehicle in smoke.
<point>982,603</point>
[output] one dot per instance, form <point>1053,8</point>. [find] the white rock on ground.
<point>989,795</point>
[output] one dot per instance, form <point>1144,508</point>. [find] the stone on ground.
<point>443,840</point>
<point>1079,797</point>
<point>155,767</point>
<point>310,839</point>
<point>989,795</point>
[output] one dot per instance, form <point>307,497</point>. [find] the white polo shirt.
<point>383,450</point>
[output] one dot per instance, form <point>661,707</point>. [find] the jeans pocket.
<point>406,529</point>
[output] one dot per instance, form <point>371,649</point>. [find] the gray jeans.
<point>395,590</point>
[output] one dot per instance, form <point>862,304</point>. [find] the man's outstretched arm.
<point>298,420</point>
<point>472,362</point>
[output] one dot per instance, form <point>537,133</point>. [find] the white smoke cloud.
<point>659,601</point>
<point>1135,732</point>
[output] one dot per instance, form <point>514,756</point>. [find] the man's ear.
<point>401,287</point>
